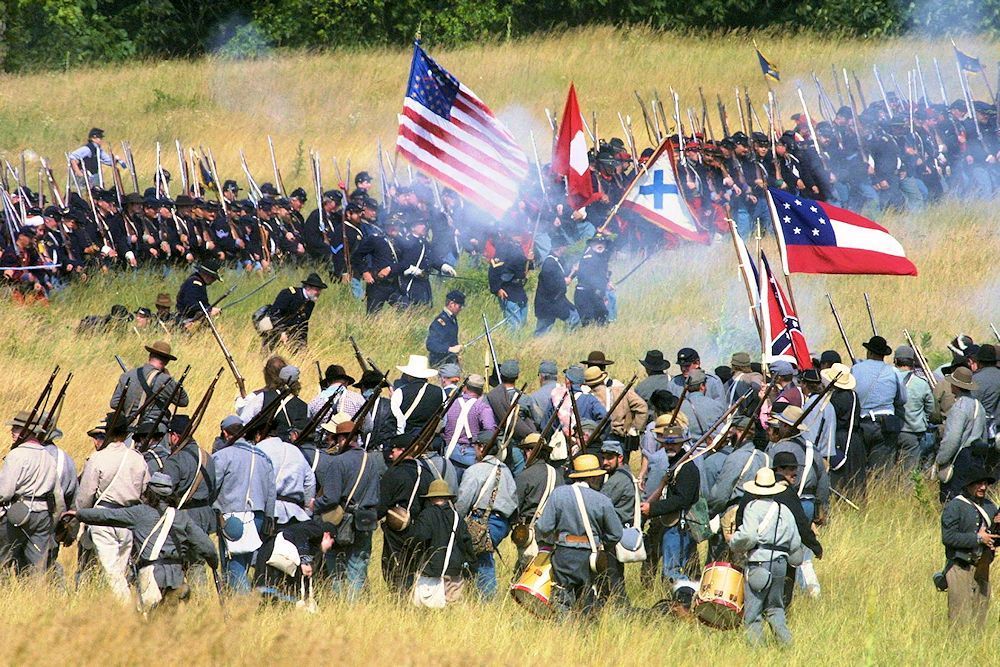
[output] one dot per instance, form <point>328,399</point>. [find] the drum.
<point>533,590</point>
<point>719,602</point>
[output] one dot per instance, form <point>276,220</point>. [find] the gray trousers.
<point>573,581</point>
<point>29,543</point>
<point>766,604</point>
<point>910,447</point>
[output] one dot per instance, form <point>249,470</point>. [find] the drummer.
<point>768,535</point>
<point>534,488</point>
<point>574,536</point>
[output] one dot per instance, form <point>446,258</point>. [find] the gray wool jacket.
<point>562,518</point>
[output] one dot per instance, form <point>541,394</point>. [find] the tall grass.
<point>877,606</point>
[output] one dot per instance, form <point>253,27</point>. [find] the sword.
<point>250,294</point>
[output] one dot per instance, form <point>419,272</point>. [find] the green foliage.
<point>56,33</point>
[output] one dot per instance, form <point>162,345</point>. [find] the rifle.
<point>607,418</point>
<point>840,327</point>
<point>854,116</point>
<point>756,411</point>
<point>680,402</point>
<point>42,398</point>
<point>578,427</point>
<point>178,388</point>
<point>317,419</point>
<point>544,435</point>
<point>197,415</point>
<point>369,404</point>
<point>693,452</point>
<point>197,317</point>
<point>508,422</point>
<point>483,335</point>
<point>722,115</point>
<point>240,382</point>
<point>423,439</point>
<point>871,315</point>
<point>493,350</point>
<point>121,364</point>
<point>263,417</point>
<point>921,360</point>
<point>357,355</point>
<point>55,411</point>
<point>278,182</point>
<point>995,332</point>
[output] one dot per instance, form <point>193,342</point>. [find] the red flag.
<point>570,156</point>
<point>783,337</point>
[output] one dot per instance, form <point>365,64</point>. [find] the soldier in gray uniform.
<point>27,483</point>
<point>701,409</point>
<point>622,489</point>
<point>535,485</point>
<point>160,537</point>
<point>144,381</point>
<point>577,522</point>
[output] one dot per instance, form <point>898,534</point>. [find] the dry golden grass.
<point>878,605</point>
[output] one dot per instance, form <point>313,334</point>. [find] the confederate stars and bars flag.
<point>816,237</point>
<point>654,195</point>
<point>450,134</point>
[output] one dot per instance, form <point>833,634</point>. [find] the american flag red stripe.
<point>448,132</point>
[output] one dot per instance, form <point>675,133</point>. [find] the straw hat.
<point>418,367</point>
<point>594,375</point>
<point>586,465</point>
<point>788,416</point>
<point>764,484</point>
<point>846,379</point>
<point>439,489</point>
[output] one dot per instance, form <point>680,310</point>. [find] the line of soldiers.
<point>289,496</point>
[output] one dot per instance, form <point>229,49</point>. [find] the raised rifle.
<point>543,436</point>
<point>357,355</point>
<point>755,416</point>
<point>197,415</point>
<point>359,417</point>
<point>172,399</point>
<point>921,360</point>
<point>278,182</point>
<point>121,364</point>
<point>855,123</point>
<point>198,316</point>
<point>35,411</point>
<point>264,417</point>
<point>604,423</point>
<point>423,439</point>
<point>722,114</point>
<point>509,421</point>
<point>249,294</point>
<point>144,408</point>
<point>871,315</point>
<point>577,426</point>
<point>680,402</point>
<point>493,350</point>
<point>317,419</point>
<point>840,327</point>
<point>240,382</point>
<point>995,332</point>
<point>55,411</point>
<point>693,452</point>
<point>483,335</point>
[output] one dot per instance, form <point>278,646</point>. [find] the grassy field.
<point>878,605</point>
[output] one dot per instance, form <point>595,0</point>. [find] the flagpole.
<point>745,277</point>
<point>779,235</point>
<point>631,185</point>
<point>765,321</point>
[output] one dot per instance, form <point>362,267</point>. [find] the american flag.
<point>447,132</point>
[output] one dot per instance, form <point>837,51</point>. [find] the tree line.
<point>51,34</point>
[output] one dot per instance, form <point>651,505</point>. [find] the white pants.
<point>113,547</point>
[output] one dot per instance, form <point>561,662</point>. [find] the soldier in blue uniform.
<point>508,273</point>
<point>194,291</point>
<point>551,303</point>
<point>417,259</point>
<point>377,258</point>
<point>592,281</point>
<point>290,314</point>
<point>442,335</point>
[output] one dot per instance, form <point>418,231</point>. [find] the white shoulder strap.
<point>983,513</point>
<point>451,542</point>
<point>637,512</point>
<point>461,424</point>
<point>586,519</point>
<point>121,464</point>
<point>163,526</point>
<point>413,494</point>
<point>361,472</point>
<point>810,453</point>
<point>550,484</point>
<point>772,515</point>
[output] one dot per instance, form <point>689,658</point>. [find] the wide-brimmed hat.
<point>597,358</point>
<point>845,379</point>
<point>784,460</point>
<point>450,370</point>
<point>313,280</point>
<point>977,474</point>
<point>439,488</point>
<point>475,382</point>
<point>418,367</point>
<point>877,346</point>
<point>788,416</point>
<point>21,419</point>
<point>162,349</point>
<point>594,375</point>
<point>337,373</point>
<point>654,361</point>
<point>529,441</point>
<point>586,465</point>
<point>163,300</point>
<point>741,359</point>
<point>369,379</point>
<point>764,484</point>
<point>987,354</point>
<point>961,377</point>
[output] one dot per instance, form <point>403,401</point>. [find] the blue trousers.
<point>546,323</point>
<point>486,575</point>
<point>677,550</point>
<point>517,314</point>
<point>238,565</point>
<point>348,565</point>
